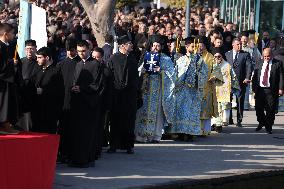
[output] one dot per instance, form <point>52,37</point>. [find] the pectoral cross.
<point>151,62</point>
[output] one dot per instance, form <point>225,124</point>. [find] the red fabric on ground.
<point>28,160</point>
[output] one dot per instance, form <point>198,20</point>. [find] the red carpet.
<point>28,160</point>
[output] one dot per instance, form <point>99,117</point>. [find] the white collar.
<point>6,43</point>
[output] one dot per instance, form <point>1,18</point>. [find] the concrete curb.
<point>249,180</point>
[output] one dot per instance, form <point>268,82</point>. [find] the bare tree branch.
<point>100,13</point>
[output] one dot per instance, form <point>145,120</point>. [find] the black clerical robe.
<point>29,69</point>
<point>48,105</point>
<point>85,108</point>
<point>9,83</point>
<point>67,69</point>
<point>125,76</point>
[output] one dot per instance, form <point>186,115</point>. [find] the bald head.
<point>267,54</point>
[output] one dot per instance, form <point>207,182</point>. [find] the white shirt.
<point>234,55</point>
<point>262,74</point>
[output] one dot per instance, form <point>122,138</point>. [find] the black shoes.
<point>111,151</point>
<point>239,124</point>
<point>130,151</point>
<point>259,127</point>
<point>82,165</point>
<point>213,127</point>
<point>154,142</point>
<point>219,129</point>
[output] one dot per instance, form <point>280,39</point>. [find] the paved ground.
<point>235,151</point>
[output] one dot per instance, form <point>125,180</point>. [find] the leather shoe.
<point>130,151</point>
<point>269,132</point>
<point>239,124</point>
<point>8,130</point>
<point>219,129</point>
<point>79,165</point>
<point>259,127</point>
<point>92,164</point>
<point>155,142</point>
<point>111,151</point>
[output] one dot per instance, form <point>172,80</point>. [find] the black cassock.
<point>85,108</point>
<point>48,105</point>
<point>29,69</point>
<point>125,92</point>
<point>10,79</point>
<point>67,68</point>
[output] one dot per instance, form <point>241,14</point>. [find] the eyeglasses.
<point>217,56</point>
<point>81,50</point>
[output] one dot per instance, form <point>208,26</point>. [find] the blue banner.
<point>24,26</point>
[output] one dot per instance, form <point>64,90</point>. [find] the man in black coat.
<point>242,66</point>
<point>268,85</point>
<point>107,48</point>
<point>103,129</point>
<point>47,93</point>
<point>29,68</point>
<point>67,68</point>
<point>124,70</point>
<point>85,107</point>
<point>264,42</point>
<point>10,78</point>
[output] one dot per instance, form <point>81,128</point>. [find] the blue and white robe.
<point>191,75</point>
<point>158,102</point>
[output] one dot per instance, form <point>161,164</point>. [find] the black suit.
<point>107,52</point>
<point>242,67</point>
<point>260,45</point>
<point>267,98</point>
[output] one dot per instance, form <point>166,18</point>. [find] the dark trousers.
<point>65,135</point>
<point>265,101</point>
<point>123,117</point>
<point>240,106</point>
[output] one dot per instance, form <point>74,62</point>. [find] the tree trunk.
<point>101,16</point>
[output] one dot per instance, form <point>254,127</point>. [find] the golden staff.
<point>15,53</point>
<point>256,37</point>
<point>177,45</point>
<point>194,46</point>
<point>197,48</point>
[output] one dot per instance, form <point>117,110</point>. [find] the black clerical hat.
<point>251,32</point>
<point>123,39</point>
<point>172,40</point>
<point>201,39</point>
<point>245,33</point>
<point>189,40</point>
<point>30,42</point>
<point>219,50</point>
<point>70,44</point>
<point>155,38</point>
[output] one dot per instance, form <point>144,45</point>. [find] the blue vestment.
<point>191,75</point>
<point>158,102</point>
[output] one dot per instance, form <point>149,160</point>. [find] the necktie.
<point>235,63</point>
<point>265,75</point>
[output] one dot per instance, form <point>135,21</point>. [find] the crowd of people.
<point>158,83</point>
